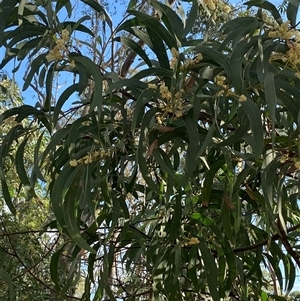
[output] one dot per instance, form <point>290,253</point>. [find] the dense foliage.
<point>174,174</point>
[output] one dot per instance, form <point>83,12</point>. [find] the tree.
<point>27,243</point>
<point>179,178</point>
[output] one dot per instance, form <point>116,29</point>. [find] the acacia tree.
<point>179,179</point>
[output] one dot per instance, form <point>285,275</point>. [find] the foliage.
<point>179,178</point>
<point>25,247</point>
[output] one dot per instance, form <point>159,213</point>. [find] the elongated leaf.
<point>92,69</point>
<point>291,275</point>
<point>215,56</point>
<point>170,19</point>
<point>158,29</point>
<point>64,3</point>
<point>270,94</point>
<point>268,6</point>
<point>135,47</point>
<point>58,191</point>
<point>253,114</point>
<point>7,7</point>
<point>70,208</point>
<point>141,153</point>
<point>7,197</point>
<point>62,100</point>
<point>20,166</point>
<point>194,144</point>
<point>131,4</point>
<point>292,11</point>
<point>153,71</point>
<point>6,278</point>
<point>191,18</point>
<point>211,270</point>
<point>100,9</point>
<point>54,266</point>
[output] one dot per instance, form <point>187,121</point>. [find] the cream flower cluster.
<point>283,31</point>
<point>189,63</point>
<point>215,8</point>
<point>171,104</point>
<point>191,241</point>
<point>59,51</point>
<point>286,158</point>
<point>90,157</point>
<point>175,56</point>
<point>217,4</point>
<point>297,164</point>
<point>220,81</point>
<point>172,101</point>
<point>225,90</point>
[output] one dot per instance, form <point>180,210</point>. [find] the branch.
<point>264,242</point>
<point>287,245</point>
<point>26,232</point>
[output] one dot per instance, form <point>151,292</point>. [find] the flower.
<point>54,54</point>
<point>193,241</point>
<point>73,163</point>
<point>152,86</point>
<point>65,35</point>
<point>226,9</point>
<point>242,98</point>
<point>175,53</point>
<point>297,165</point>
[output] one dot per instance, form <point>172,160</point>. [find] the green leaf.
<point>170,19</point>
<point>58,191</point>
<point>190,21</point>
<point>194,145</point>
<point>131,4</point>
<point>153,71</point>
<point>270,94</point>
<point>253,114</point>
<point>62,100</point>
<point>78,25</point>
<point>7,197</point>
<point>6,278</point>
<point>237,62</point>
<point>209,178</point>
<point>139,110</point>
<point>100,9</point>
<point>268,6</point>
<point>36,168</point>
<point>238,134</point>
<point>264,296</point>
<point>92,69</point>
<point>141,153</point>
<point>210,270</point>
<point>54,266</point>
<point>291,275</point>
<point>216,57</point>
<point>63,3</point>
<point>70,211</point>
<point>35,67</point>
<point>135,47</point>
<point>156,27</point>
<point>20,166</point>
<point>6,9</point>
<point>292,11</point>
